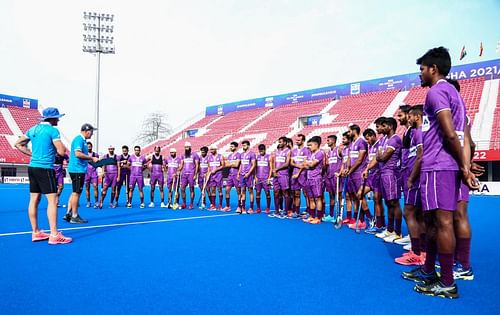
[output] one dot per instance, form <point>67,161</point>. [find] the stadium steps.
<point>394,105</point>
<point>11,123</point>
<point>483,122</point>
<point>328,107</point>
<point>257,120</point>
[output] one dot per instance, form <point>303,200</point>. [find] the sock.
<point>212,200</point>
<point>112,197</point>
<point>276,204</point>
<point>390,225</point>
<point>228,202</point>
<point>287,204</point>
<point>258,203</point>
<point>446,261</point>
<point>251,204</point>
<point>332,207</point>
<point>268,201</point>
<point>349,214</point>
<point>397,228</point>
<point>280,203</point>
<point>220,200</point>
<point>380,221</point>
<point>430,258</point>
<point>423,242</point>
<point>415,245</point>
<point>368,213</point>
<point>463,249</point>
<point>243,201</point>
<point>320,214</point>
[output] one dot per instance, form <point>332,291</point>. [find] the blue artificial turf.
<point>233,264</point>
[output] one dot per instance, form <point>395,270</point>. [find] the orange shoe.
<point>39,236</point>
<point>226,209</point>
<point>308,220</point>
<point>411,259</point>
<point>315,221</point>
<point>258,211</point>
<point>250,211</point>
<point>59,239</point>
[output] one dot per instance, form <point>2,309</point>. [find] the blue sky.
<point>180,56</point>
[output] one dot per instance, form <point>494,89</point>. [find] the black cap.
<point>87,127</point>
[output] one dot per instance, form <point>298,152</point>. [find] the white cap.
<point>172,150</point>
<point>187,144</point>
<point>111,146</point>
<point>213,147</point>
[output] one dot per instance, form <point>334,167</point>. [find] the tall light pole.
<point>98,39</point>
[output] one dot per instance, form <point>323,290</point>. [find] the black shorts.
<point>77,181</point>
<point>42,180</point>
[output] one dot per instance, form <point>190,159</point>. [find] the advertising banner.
<point>9,100</point>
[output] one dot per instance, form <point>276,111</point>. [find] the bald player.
<point>157,168</point>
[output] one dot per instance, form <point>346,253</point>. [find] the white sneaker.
<point>392,238</point>
<point>129,205</point>
<point>383,234</point>
<point>407,247</point>
<point>142,205</point>
<point>403,241</point>
<point>151,204</point>
<point>163,205</point>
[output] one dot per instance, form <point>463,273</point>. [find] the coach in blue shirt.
<point>45,142</point>
<point>77,167</point>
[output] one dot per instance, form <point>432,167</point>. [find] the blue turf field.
<point>226,264</point>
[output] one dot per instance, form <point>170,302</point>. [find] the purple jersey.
<point>203,164</point>
<point>372,154</point>
<point>214,161</point>
<point>172,165</point>
<point>391,166</point>
<point>190,163</point>
<point>111,169</point>
<point>157,164</point>
<point>405,151</point>
<point>263,166</point>
<point>246,161</point>
<point>137,164</point>
<point>59,161</point>
<point>233,158</point>
<point>334,162</point>
<point>123,161</point>
<point>355,150</point>
<point>92,171</point>
<point>299,156</point>
<point>345,155</point>
<point>416,141</point>
<point>280,159</point>
<point>441,96</point>
<point>315,172</point>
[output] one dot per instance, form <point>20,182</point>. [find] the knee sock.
<point>463,252</point>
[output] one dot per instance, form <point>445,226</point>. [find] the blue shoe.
<point>419,276</point>
<point>328,219</point>
<point>436,288</point>
<point>372,230</point>
<point>459,273</point>
<point>295,216</point>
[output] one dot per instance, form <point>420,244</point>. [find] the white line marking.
<point>128,223</point>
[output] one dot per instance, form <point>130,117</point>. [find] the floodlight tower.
<point>98,39</point>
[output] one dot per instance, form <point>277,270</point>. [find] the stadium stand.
<point>25,118</point>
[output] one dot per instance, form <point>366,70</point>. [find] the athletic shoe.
<point>67,217</point>
<point>169,206</point>
<point>183,206</point>
<point>315,221</point>
<point>410,259</point>
<point>78,220</point>
<point>295,216</point>
<point>250,211</point>
<point>268,211</point>
<point>459,273</point>
<point>403,241</point>
<point>328,218</point>
<point>383,234</point>
<point>392,238</point>
<point>59,239</point>
<point>142,205</point>
<point>258,211</point>
<point>371,223</point>
<point>308,220</point>
<point>361,225</point>
<point>436,288</point>
<point>243,211</point>
<point>346,221</point>
<point>87,205</point>
<point>274,215</point>
<point>163,205</point>
<point>219,208</point>
<point>212,208</point>
<point>407,247</point>
<point>151,205</point>
<point>129,205</point>
<point>372,230</point>
<point>419,276</point>
<point>191,207</point>
<point>96,205</point>
<point>304,216</point>
<point>39,236</point>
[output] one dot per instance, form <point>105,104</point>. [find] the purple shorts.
<point>136,179</point>
<point>170,182</point>
<point>110,180</point>
<point>187,179</point>
<point>156,179</point>
<point>463,193</point>
<point>390,187</point>
<point>124,178</point>
<point>298,183</point>
<point>354,183</point>
<point>411,196</point>
<point>215,180</point>
<point>247,183</point>
<point>373,181</point>
<point>60,177</point>
<point>281,182</point>
<point>315,187</point>
<point>91,178</point>
<point>201,179</point>
<point>232,181</point>
<point>331,184</point>
<point>439,190</point>
<point>262,184</point>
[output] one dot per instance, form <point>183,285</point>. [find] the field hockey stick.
<point>176,204</point>
<point>359,206</point>
<point>202,196</point>
<point>336,200</point>
<point>338,224</point>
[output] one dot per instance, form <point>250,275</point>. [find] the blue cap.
<point>50,112</point>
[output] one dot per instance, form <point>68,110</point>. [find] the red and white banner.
<point>487,155</point>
